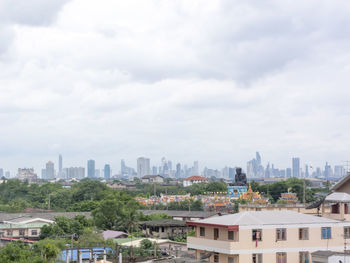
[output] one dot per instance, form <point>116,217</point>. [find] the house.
<point>327,256</point>
<point>182,215</point>
<point>151,179</point>
<point>165,228</point>
<point>23,228</point>
<point>110,234</point>
<point>266,236</point>
<point>343,185</point>
<point>339,206</point>
<point>194,180</point>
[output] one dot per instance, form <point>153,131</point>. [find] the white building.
<point>194,180</point>
<point>143,167</point>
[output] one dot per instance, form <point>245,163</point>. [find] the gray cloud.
<point>207,80</point>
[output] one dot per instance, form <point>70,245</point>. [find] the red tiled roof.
<point>196,178</point>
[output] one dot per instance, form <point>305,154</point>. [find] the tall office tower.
<point>7,174</point>
<point>107,171</point>
<point>195,168</point>
<point>250,169</point>
<point>170,165</point>
<point>143,166</point>
<point>258,158</point>
<point>307,171</point>
<point>91,168</point>
<point>60,163</point>
<point>339,171</point>
<point>97,173</point>
<point>122,167</point>
<point>178,170</point>
<point>231,173</point>
<point>50,171</point>
<point>1,172</point>
<point>154,170</point>
<point>43,173</point>
<point>296,166</point>
<point>328,171</point>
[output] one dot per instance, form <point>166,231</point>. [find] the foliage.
<point>45,251</point>
<point>146,244</point>
<point>65,227</point>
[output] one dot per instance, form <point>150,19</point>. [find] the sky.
<point>207,80</point>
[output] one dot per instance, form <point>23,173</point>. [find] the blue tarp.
<point>85,253</point>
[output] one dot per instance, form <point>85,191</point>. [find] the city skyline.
<point>255,168</point>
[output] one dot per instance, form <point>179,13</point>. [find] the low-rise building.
<point>165,228</point>
<point>182,215</point>
<point>266,237</point>
<point>151,179</point>
<point>194,180</point>
<point>327,256</point>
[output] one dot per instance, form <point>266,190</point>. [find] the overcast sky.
<point>203,80</point>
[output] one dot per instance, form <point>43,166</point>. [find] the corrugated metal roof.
<point>338,197</point>
<point>17,226</point>
<point>266,218</point>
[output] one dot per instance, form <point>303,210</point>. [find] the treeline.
<point>294,185</point>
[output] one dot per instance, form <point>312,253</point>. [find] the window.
<point>216,233</point>
<point>202,231</point>
<point>347,232</point>
<point>281,234</point>
<point>162,228</point>
<point>34,232</point>
<point>326,233</point>
<point>9,232</point>
<point>201,255</point>
<point>231,260</point>
<point>257,234</point>
<point>257,258</point>
<point>303,234</point>
<point>304,257</point>
<point>21,232</point>
<point>216,258</point>
<point>231,235</point>
<point>281,257</point>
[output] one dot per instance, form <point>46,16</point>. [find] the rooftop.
<point>249,218</point>
<point>175,213</point>
<point>50,216</point>
<point>196,178</point>
<point>338,197</point>
<point>163,222</point>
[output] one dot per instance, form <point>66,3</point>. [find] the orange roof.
<point>196,178</point>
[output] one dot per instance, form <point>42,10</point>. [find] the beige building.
<point>266,237</point>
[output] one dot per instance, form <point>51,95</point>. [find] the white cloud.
<point>207,80</point>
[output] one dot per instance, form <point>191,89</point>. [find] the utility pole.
<point>49,203</point>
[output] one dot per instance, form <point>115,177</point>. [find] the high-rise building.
<point>143,166</point>
<point>1,172</point>
<point>27,174</point>
<point>296,166</point>
<point>97,173</point>
<point>50,171</point>
<point>43,174</point>
<point>339,171</point>
<point>154,170</point>
<point>178,170</point>
<point>60,163</point>
<point>258,158</point>
<point>122,167</point>
<point>307,171</point>
<point>74,172</point>
<point>107,171</point>
<point>328,171</point>
<point>7,174</point>
<point>91,168</point>
<point>195,168</point>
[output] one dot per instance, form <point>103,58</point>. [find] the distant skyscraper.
<point>60,163</point>
<point>43,173</point>
<point>307,171</point>
<point>296,167</point>
<point>1,172</point>
<point>178,170</point>
<point>50,171</point>
<point>91,168</point>
<point>328,171</point>
<point>122,167</point>
<point>195,168</point>
<point>258,158</point>
<point>97,173</point>
<point>107,171</point>
<point>154,170</point>
<point>143,166</point>
<point>339,171</point>
<point>7,174</point>
<point>289,172</point>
